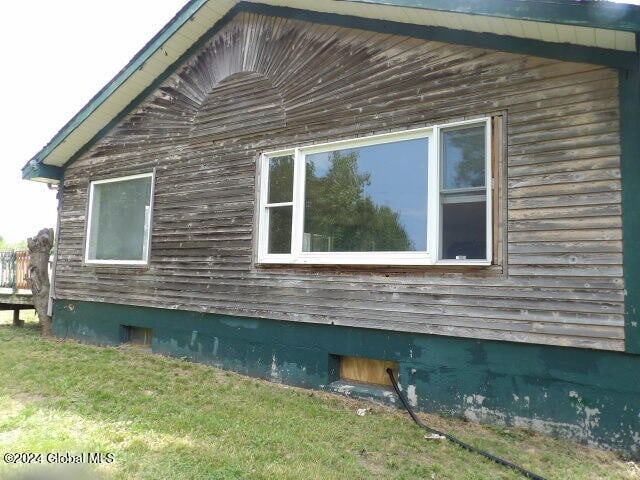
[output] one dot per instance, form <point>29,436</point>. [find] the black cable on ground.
<point>460,443</point>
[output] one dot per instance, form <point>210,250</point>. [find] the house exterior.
<point>307,191</point>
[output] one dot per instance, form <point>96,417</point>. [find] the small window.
<point>418,197</point>
<point>119,220</point>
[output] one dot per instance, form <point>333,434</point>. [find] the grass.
<point>164,418</point>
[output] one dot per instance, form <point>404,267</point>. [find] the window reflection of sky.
<point>398,180</point>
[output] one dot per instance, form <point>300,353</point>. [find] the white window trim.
<point>429,257</point>
<point>147,250</point>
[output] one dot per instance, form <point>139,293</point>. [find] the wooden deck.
<point>14,288</point>
<point>18,299</point>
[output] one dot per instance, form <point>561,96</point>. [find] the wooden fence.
<point>14,269</point>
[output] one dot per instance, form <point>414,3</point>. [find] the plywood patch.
<point>367,370</point>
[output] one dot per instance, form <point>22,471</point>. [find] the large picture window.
<point>119,221</point>
<point>418,197</point>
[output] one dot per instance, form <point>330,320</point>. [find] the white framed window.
<point>418,197</point>
<point>119,220</point>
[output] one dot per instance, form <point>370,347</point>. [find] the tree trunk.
<point>40,249</point>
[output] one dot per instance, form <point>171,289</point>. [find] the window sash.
<point>435,194</point>
<point>146,245</point>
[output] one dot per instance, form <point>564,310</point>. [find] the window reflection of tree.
<point>341,217</point>
<point>470,170</point>
<point>280,190</point>
<point>281,179</point>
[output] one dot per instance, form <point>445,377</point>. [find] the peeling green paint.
<point>586,395</point>
<point>372,393</point>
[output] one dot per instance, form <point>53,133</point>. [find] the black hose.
<point>460,443</point>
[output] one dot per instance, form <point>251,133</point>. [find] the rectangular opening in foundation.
<point>137,336</point>
<point>367,370</point>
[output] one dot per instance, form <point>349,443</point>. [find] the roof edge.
<point>570,12</point>
<point>585,13</point>
<point>40,172</point>
<point>105,92</point>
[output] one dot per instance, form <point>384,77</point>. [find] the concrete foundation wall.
<point>585,395</point>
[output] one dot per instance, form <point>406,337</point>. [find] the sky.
<point>56,55</point>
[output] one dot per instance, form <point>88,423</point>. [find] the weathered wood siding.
<point>265,83</point>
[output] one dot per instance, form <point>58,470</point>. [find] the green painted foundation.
<point>584,395</point>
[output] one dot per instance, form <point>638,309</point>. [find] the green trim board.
<point>40,170</point>
<point>630,178</point>
<point>575,53</point>
<point>513,9</point>
<point>584,395</point>
<point>595,14</point>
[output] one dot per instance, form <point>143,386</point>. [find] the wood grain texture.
<point>367,370</point>
<point>265,83</point>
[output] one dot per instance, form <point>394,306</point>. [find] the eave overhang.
<point>594,32</point>
<point>593,14</point>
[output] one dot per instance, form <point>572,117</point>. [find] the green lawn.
<point>164,418</point>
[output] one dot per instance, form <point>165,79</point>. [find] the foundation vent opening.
<point>137,336</point>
